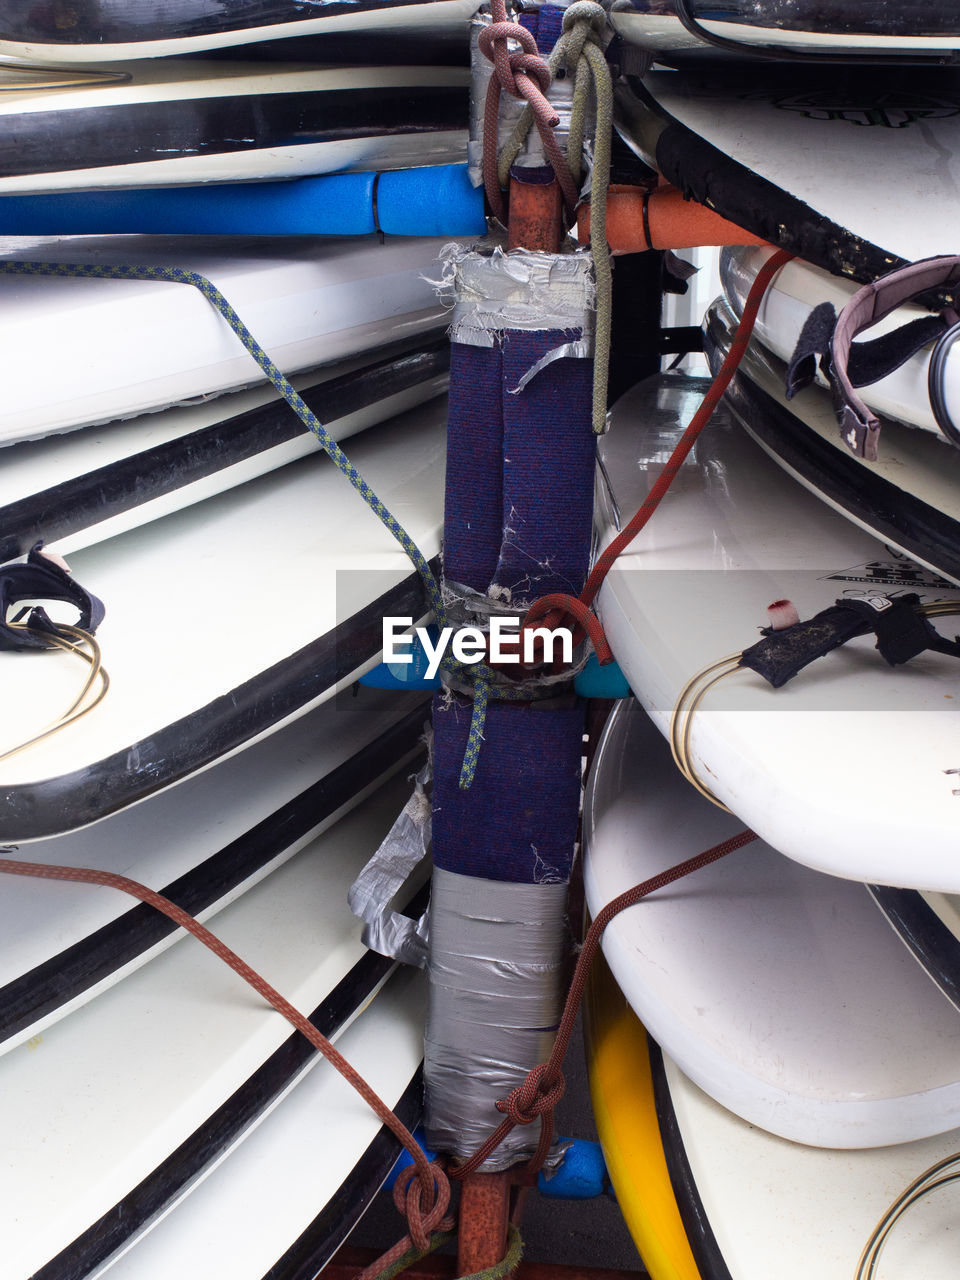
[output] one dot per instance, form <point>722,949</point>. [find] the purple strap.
<point>859,426</point>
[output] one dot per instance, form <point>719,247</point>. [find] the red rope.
<point>558,608</point>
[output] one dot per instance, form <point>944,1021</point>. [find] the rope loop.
<point>492,42</point>
<point>423,1205</point>
<point>559,609</point>
<point>589,12</point>
<point>523,75</point>
<point>540,1092</point>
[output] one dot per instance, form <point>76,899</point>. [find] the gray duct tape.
<point>498,955</point>
<point>403,850</point>
<point>525,289</point>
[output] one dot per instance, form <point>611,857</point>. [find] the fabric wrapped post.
<point>503,841</point>
<point>530,314</point>
<point>518,821</point>
<point>496,982</point>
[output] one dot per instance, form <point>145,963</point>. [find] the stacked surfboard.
<point>774,1071</point>
<point>160,1117</point>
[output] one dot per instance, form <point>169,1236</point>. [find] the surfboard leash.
<point>944,1173</point>
<point>901,624</point>
<point>45,577</point>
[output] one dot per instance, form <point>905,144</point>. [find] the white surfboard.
<point>113,1113</point>
<point>104,30</point>
<point>127,346</point>
<point>203,844</point>
<point>223,622</point>
<point>794,292</point>
<point>850,744</point>
<point>748,29</point>
<point>707,1196</point>
<point>909,497</point>
<point>73,490</point>
<point>755,1205</point>
<point>748,972</point>
<point>793,157</point>
<point>313,1165</point>
<point>167,122</point>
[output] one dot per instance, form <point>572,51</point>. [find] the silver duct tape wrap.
<point>526,289</point>
<point>403,850</point>
<point>498,954</point>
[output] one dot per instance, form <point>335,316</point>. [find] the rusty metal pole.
<point>484,1214</point>
<point>536,211</point>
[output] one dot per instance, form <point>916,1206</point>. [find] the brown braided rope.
<point>544,1085</point>
<point>523,75</point>
<point>425,1200</point>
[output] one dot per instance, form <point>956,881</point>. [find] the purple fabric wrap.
<point>473,512</point>
<point>518,821</point>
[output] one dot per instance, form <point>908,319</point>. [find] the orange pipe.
<point>672,222</point>
<point>536,215</point>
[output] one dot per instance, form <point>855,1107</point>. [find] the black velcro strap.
<point>781,654</point>
<point>812,349</point>
<point>41,579</point>
<point>868,361</point>
<point>902,633</point>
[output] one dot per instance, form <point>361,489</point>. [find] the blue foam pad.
<point>432,201</point>
<point>581,1175</point>
<point>595,681</point>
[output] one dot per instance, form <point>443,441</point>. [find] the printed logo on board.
<point>891,573</point>
<point>889,110</point>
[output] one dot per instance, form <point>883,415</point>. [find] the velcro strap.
<point>41,579</point>
<point>868,361</point>
<point>902,632</point>
<point>859,426</point>
<point>812,349</point>
<point>781,654</point>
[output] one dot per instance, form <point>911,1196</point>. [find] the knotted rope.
<point>580,50</point>
<point>523,75</point>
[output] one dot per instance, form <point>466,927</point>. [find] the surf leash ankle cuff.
<point>41,578</point>
<point>901,628</point>
<point>828,340</point>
